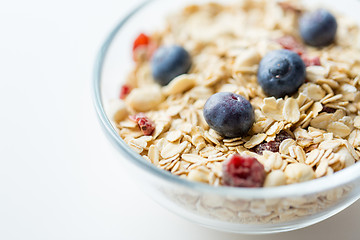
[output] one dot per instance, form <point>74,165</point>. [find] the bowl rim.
<point>345,176</point>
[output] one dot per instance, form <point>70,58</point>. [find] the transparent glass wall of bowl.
<point>220,208</point>
<point>245,214</point>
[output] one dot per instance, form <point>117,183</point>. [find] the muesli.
<point>291,73</point>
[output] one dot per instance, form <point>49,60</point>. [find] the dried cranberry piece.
<point>124,91</point>
<point>290,43</point>
<point>328,110</point>
<point>143,47</point>
<point>311,61</point>
<point>274,145</point>
<point>282,136</point>
<point>243,171</point>
<point>141,40</point>
<point>146,125</point>
<point>287,6</point>
<point>151,48</point>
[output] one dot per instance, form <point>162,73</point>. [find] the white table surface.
<point>59,178</point>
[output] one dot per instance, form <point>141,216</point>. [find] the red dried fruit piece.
<point>141,40</point>
<point>146,125</point>
<point>290,43</point>
<point>287,6</point>
<point>141,47</point>
<point>124,91</point>
<point>243,171</point>
<point>272,146</point>
<point>310,61</point>
<point>151,48</point>
<point>282,136</point>
<point>328,110</point>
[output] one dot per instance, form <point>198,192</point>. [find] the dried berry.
<point>328,110</point>
<point>290,43</point>
<point>141,40</point>
<point>150,50</point>
<point>282,136</point>
<point>243,171</point>
<point>288,6</point>
<point>124,91</point>
<point>272,146</point>
<point>146,125</point>
<point>143,47</point>
<point>310,61</point>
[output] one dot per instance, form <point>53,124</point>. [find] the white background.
<point>59,176</point>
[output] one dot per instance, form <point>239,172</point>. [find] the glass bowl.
<point>240,210</point>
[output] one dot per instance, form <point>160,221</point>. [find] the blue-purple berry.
<point>229,114</point>
<point>318,28</point>
<point>281,73</point>
<point>169,62</point>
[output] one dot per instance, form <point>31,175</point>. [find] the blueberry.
<point>281,73</point>
<point>169,62</point>
<point>318,28</point>
<point>230,114</point>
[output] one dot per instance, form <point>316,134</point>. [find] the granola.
<point>226,44</point>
